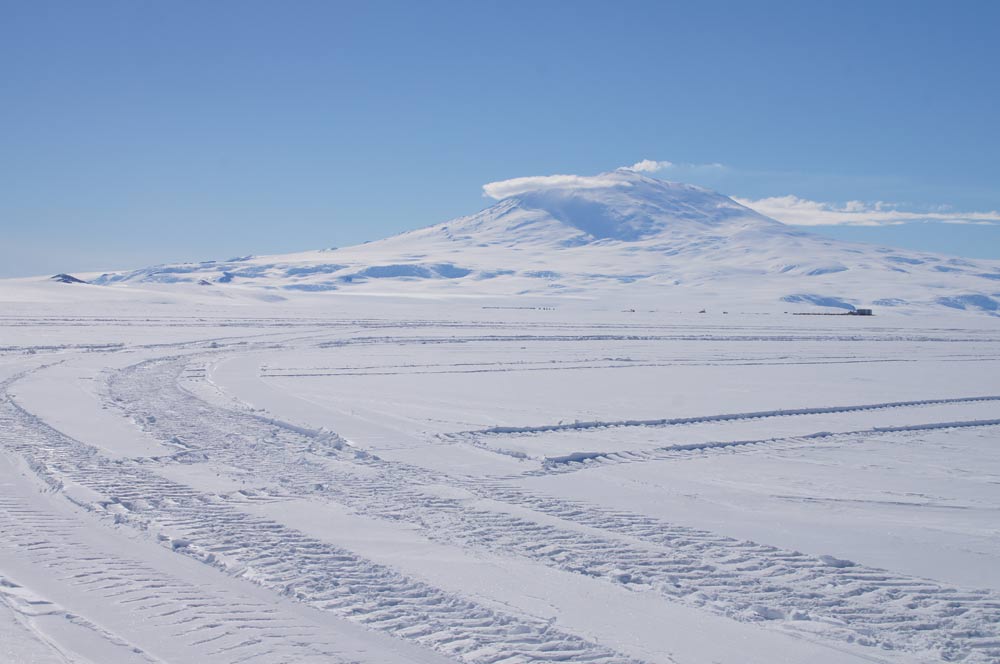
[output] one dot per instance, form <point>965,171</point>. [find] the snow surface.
<point>429,465</point>
<point>620,235</point>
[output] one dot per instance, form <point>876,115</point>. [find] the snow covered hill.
<point>621,236</point>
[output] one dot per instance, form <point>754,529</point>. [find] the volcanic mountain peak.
<point>623,205</point>
<point>619,234</point>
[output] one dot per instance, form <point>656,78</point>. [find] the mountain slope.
<point>620,235</point>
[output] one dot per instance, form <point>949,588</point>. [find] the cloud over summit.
<point>507,188</point>
<point>650,166</point>
<point>789,209</point>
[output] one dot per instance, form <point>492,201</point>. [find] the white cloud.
<point>789,209</point>
<point>804,212</point>
<point>653,166</point>
<point>650,166</point>
<point>507,188</point>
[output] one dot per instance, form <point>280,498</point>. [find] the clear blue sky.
<point>140,132</point>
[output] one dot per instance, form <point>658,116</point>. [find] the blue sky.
<point>139,132</point>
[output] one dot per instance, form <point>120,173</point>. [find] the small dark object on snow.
<point>853,312</point>
<point>204,282</point>
<point>64,278</point>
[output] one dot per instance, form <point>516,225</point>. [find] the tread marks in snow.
<point>743,580</point>
<point>283,559</point>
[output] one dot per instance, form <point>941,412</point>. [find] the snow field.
<point>392,490</point>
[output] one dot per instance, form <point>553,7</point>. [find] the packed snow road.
<point>535,487</point>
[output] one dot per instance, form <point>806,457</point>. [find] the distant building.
<point>862,312</point>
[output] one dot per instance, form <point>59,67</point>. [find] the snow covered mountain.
<point>618,235</point>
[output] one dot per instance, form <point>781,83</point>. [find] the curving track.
<point>150,611</point>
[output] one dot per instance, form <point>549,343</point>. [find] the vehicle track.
<point>274,556</point>
<point>195,624</point>
<point>585,460</point>
<point>743,580</point>
<point>31,606</point>
<point>702,419</point>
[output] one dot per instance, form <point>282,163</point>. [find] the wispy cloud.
<point>804,212</point>
<point>650,166</point>
<point>507,188</point>
<point>789,209</point>
<point>654,166</point>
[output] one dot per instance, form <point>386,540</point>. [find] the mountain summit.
<point>620,235</point>
<point>625,205</point>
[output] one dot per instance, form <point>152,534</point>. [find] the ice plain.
<point>439,479</point>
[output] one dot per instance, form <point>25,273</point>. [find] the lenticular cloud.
<point>516,186</point>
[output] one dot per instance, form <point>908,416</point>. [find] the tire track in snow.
<point>583,460</point>
<point>743,580</point>
<point>198,624</point>
<point>275,556</point>
<point>702,419</point>
<point>31,606</point>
